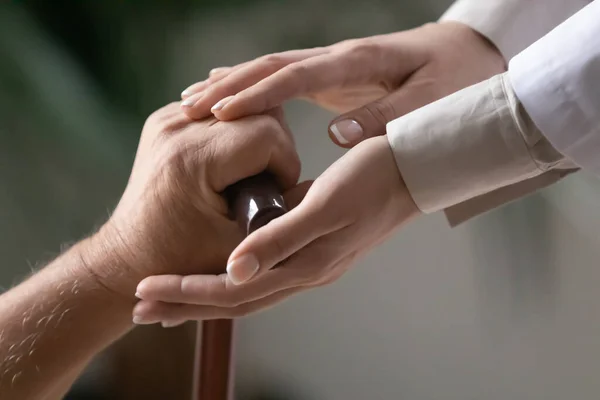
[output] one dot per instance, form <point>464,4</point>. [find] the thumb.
<point>275,242</point>
<point>351,128</point>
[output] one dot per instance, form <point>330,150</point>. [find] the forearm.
<point>52,324</point>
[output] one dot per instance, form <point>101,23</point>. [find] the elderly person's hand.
<point>172,217</point>
<point>386,76</point>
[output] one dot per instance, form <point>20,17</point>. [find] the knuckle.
<point>266,101</point>
<point>217,91</point>
<point>275,60</point>
<point>158,115</point>
<point>365,46</point>
<point>268,130</point>
<point>346,44</point>
<point>361,47</point>
<point>381,111</point>
<point>185,286</point>
<point>217,76</point>
<point>153,118</point>
<point>165,120</point>
<point>298,73</point>
<point>196,288</point>
<point>219,295</point>
<point>271,125</point>
<point>174,158</point>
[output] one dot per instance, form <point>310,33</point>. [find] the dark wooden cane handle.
<point>255,201</point>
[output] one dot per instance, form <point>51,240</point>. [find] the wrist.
<point>468,34</point>
<point>399,194</point>
<point>102,259</point>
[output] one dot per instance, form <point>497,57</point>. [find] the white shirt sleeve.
<point>512,25</point>
<point>473,142</point>
<point>557,80</point>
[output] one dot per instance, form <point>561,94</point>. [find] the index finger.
<point>206,95</point>
<point>216,290</point>
<point>298,79</point>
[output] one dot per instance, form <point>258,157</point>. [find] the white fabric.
<point>512,25</point>
<point>557,80</point>
<point>472,142</point>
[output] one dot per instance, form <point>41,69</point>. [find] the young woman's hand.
<point>381,78</point>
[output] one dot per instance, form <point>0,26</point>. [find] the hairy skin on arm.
<point>59,314</point>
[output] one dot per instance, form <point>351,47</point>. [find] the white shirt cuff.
<point>469,143</point>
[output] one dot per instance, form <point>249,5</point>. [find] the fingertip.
<point>141,289</point>
<point>225,115</point>
<point>151,312</point>
<point>191,101</point>
<point>153,287</point>
<point>279,239</point>
<point>195,107</point>
<point>221,104</point>
<point>242,268</point>
<point>219,70</point>
<point>141,311</point>
<point>235,107</point>
<point>346,132</point>
<point>194,89</point>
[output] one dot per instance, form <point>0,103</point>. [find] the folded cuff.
<point>469,143</point>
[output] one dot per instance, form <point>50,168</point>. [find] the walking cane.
<point>253,202</point>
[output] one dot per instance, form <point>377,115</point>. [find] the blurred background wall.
<point>503,307</point>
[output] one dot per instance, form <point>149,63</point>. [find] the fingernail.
<point>143,321</point>
<point>220,104</point>
<point>242,268</point>
<point>197,87</point>
<point>217,70</point>
<point>171,324</point>
<point>138,295</point>
<point>347,131</point>
<point>190,101</point>
<point>187,103</point>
